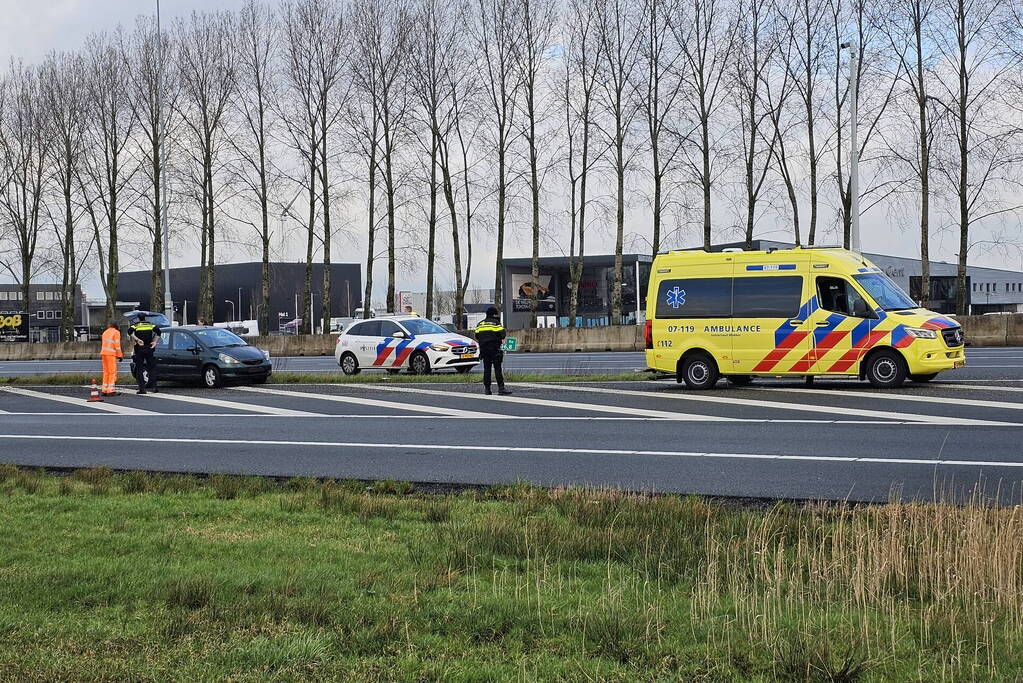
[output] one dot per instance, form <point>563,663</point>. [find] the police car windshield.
<point>885,292</point>
<point>217,338</point>
<point>421,326</point>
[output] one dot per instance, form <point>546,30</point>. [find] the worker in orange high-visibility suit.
<point>110,352</point>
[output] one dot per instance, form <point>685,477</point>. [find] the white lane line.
<point>978,388</point>
<point>80,402</point>
<point>593,408</point>
<point>889,396</point>
<point>523,449</point>
<point>830,410</point>
<point>394,405</point>
<point>231,405</point>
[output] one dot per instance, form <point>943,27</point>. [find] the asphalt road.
<point>575,363</point>
<point>956,437</point>
<point>984,363</point>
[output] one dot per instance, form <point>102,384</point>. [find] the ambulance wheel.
<point>886,369</point>
<point>739,380</point>
<point>211,377</point>
<point>923,378</point>
<point>699,371</point>
<point>349,364</point>
<point>419,364</point>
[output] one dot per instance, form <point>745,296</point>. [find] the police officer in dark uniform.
<point>489,336</point>
<point>145,335</point>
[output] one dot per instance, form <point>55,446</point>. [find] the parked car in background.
<point>396,342</point>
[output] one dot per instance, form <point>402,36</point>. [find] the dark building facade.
<point>239,291</point>
<point>44,309</point>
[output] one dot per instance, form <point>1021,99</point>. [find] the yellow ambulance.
<point>790,312</point>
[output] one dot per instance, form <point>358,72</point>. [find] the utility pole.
<point>168,302</point>
<point>854,147</point>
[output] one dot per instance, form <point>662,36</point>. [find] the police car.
<point>403,341</point>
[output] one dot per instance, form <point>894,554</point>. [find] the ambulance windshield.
<point>885,292</point>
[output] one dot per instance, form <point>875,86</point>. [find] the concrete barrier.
<point>988,330</point>
<point>980,330</point>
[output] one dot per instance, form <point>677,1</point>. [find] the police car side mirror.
<point>398,335</point>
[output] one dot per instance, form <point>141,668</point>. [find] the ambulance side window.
<point>705,297</point>
<point>838,296</point>
<point>767,297</point>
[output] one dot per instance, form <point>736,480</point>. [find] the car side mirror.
<point>398,335</point>
<point>195,350</point>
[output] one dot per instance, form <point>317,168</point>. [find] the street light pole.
<point>233,310</point>
<point>168,302</point>
<point>854,148</point>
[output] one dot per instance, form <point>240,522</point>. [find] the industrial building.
<point>238,291</point>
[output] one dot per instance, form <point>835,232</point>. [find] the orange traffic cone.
<point>94,393</point>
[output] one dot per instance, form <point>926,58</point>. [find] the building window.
<point>40,296</point>
<point>41,315</point>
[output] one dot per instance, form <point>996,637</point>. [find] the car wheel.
<point>211,378</point>
<point>739,380</point>
<point>349,364</point>
<point>463,369</point>
<point>886,370</point>
<point>699,371</point>
<point>419,364</point>
<point>923,378</point>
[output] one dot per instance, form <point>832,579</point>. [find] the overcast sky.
<point>31,28</point>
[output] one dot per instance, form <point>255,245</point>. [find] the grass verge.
<point>137,576</point>
<point>83,379</point>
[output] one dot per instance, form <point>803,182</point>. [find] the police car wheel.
<point>923,378</point>
<point>349,364</point>
<point>886,370</point>
<point>699,372</point>
<point>211,377</point>
<point>739,380</point>
<point>419,364</point>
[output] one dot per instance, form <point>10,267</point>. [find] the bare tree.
<point>258,92</point>
<point>153,94</point>
<point>62,91</point>
<point>495,34</point>
<point>302,24</point>
<point>431,64</point>
<point>537,29</point>
<point>756,40</point>
<point>659,93</point>
<point>705,30</point>
<point>25,147</point>
<point>907,24</point>
<point>581,64</point>
<point>365,117</point>
<point>207,68</point>
<point>784,126</point>
<point>807,65</point>
<point>982,147</point>
<point>618,40</point>
<point>107,171</point>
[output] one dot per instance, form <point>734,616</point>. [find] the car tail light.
<point>648,334</point>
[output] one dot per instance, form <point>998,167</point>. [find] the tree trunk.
<point>431,247</point>
<point>307,288</point>
<point>325,202</point>
<point>367,301</point>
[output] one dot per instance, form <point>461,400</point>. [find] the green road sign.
<point>510,344</point>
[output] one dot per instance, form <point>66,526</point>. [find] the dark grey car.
<point>211,356</point>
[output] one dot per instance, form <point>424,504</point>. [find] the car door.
<point>770,330</point>
<point>163,357</point>
<point>386,342</point>
<point>843,325</point>
<point>363,342</point>
<point>186,355</point>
